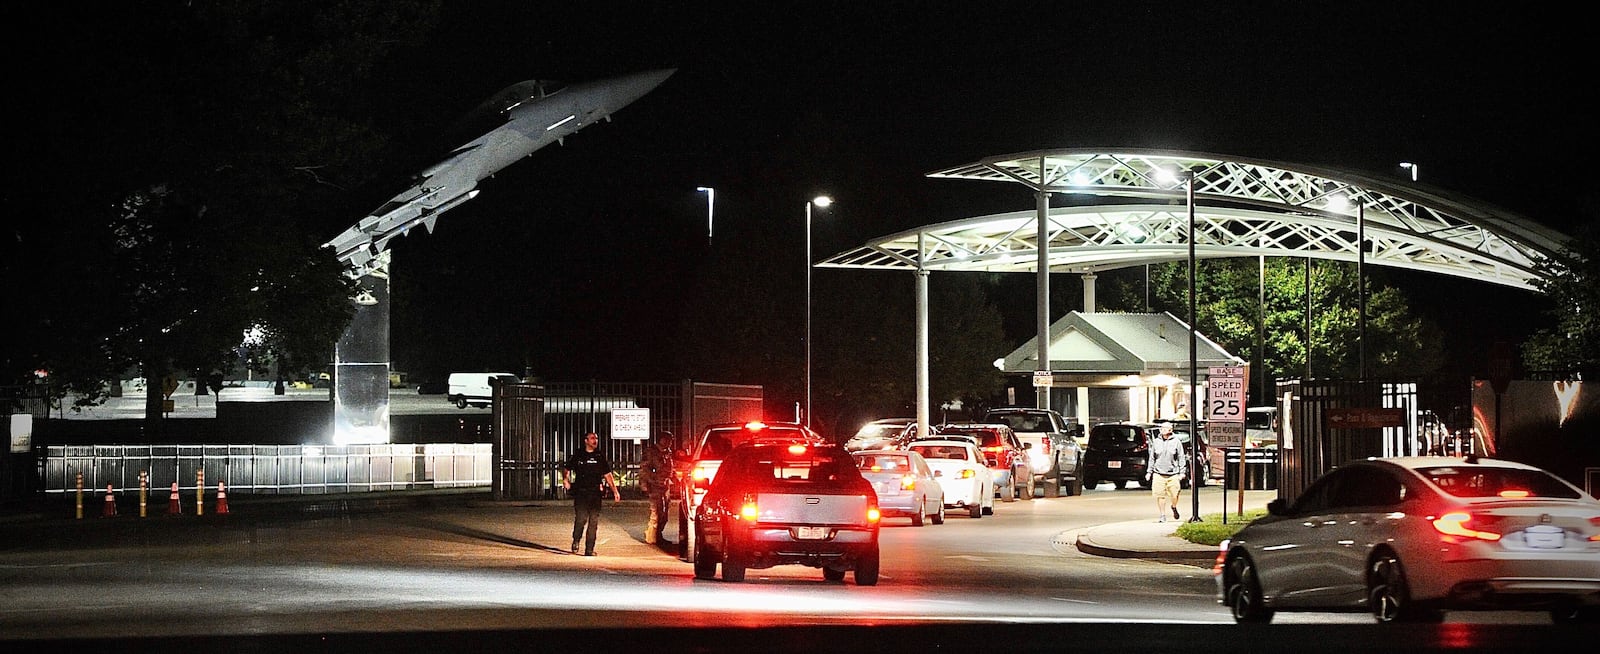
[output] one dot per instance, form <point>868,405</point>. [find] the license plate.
<point>1544,536</point>
<point>810,533</point>
<point>1113,464</point>
<point>880,486</point>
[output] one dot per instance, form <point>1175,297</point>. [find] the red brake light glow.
<point>908,482</point>
<point>755,425</point>
<point>1455,523</point>
<point>1513,494</point>
<point>798,449</point>
<point>700,473</point>
<point>749,511</point>
<point>873,514</point>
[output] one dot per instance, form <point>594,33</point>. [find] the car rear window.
<point>772,466</point>
<point>1022,421</point>
<point>1114,435</point>
<point>721,441</point>
<point>949,452</point>
<point>884,462</point>
<point>985,437</point>
<point>1469,481</point>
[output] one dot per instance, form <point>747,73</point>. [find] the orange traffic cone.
<point>111,504</point>
<point>174,507</point>
<point>222,498</point>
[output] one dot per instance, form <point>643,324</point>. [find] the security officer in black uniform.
<point>587,476</point>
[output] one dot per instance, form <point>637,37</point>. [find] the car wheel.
<point>1091,483</point>
<point>975,510</point>
<point>988,510</point>
<point>1575,615</point>
<point>1027,485</point>
<point>938,518</point>
<point>1009,493</point>
<point>1388,596</point>
<point>867,568</point>
<point>833,574</point>
<point>1243,593</point>
<point>921,516</point>
<point>732,568</point>
<point>683,532</point>
<point>461,403</point>
<point>1052,483</point>
<point>705,566</point>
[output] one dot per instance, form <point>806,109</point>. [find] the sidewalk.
<point>1149,539</point>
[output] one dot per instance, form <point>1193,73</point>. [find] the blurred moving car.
<point>1409,537</point>
<point>884,434</point>
<point>1053,454</point>
<point>905,485</point>
<point>1119,452</point>
<point>797,503</point>
<point>963,475</point>
<point>695,467</point>
<point>1003,452</point>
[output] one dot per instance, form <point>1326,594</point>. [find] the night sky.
<point>573,263</point>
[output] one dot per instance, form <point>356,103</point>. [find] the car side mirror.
<point>1027,446</point>
<point>938,473</point>
<point>1277,507</point>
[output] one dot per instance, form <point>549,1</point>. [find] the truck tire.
<point>732,568</point>
<point>705,565</point>
<point>683,532</point>
<point>867,568</point>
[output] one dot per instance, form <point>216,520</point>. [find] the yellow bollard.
<point>80,496</point>
<point>200,492</point>
<point>144,491</point>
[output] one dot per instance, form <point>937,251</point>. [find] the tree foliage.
<point>1230,312</point>
<point>240,134</point>
<point>1571,280</point>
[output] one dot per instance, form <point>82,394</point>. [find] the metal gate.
<point>1309,447</point>
<point>537,426</point>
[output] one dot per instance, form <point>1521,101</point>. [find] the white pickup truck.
<point>1054,455</point>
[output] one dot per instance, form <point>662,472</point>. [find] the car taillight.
<point>968,473</point>
<point>908,482</point>
<point>1045,445</point>
<point>700,473</point>
<point>1455,523</point>
<point>749,511</point>
<point>873,514</point>
<point>1222,555</point>
<point>1595,520</point>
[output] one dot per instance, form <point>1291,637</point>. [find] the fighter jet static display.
<point>535,114</point>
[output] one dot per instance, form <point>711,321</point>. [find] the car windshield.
<point>1491,481</point>
<point>951,452</point>
<point>884,462</point>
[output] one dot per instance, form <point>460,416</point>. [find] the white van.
<point>473,387</point>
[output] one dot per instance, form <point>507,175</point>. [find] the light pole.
<point>1194,368</point>
<point>822,202</point>
<point>1411,167</point>
<point>711,207</point>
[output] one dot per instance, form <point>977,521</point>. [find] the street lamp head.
<point>703,189</point>
<point>822,201</point>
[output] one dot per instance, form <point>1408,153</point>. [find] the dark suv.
<point>1118,453</point>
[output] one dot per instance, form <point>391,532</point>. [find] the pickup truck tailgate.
<point>813,508</point>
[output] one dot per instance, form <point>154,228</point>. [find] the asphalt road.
<point>479,574</point>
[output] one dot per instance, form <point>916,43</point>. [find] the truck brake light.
<point>873,514</point>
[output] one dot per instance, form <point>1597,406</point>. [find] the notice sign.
<point>630,424</point>
<point>1225,434</point>
<point>1043,379</point>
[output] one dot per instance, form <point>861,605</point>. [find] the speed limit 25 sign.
<point>1225,394</point>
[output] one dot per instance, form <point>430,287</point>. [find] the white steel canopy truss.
<point>1243,208</point>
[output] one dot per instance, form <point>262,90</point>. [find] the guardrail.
<point>271,469</point>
